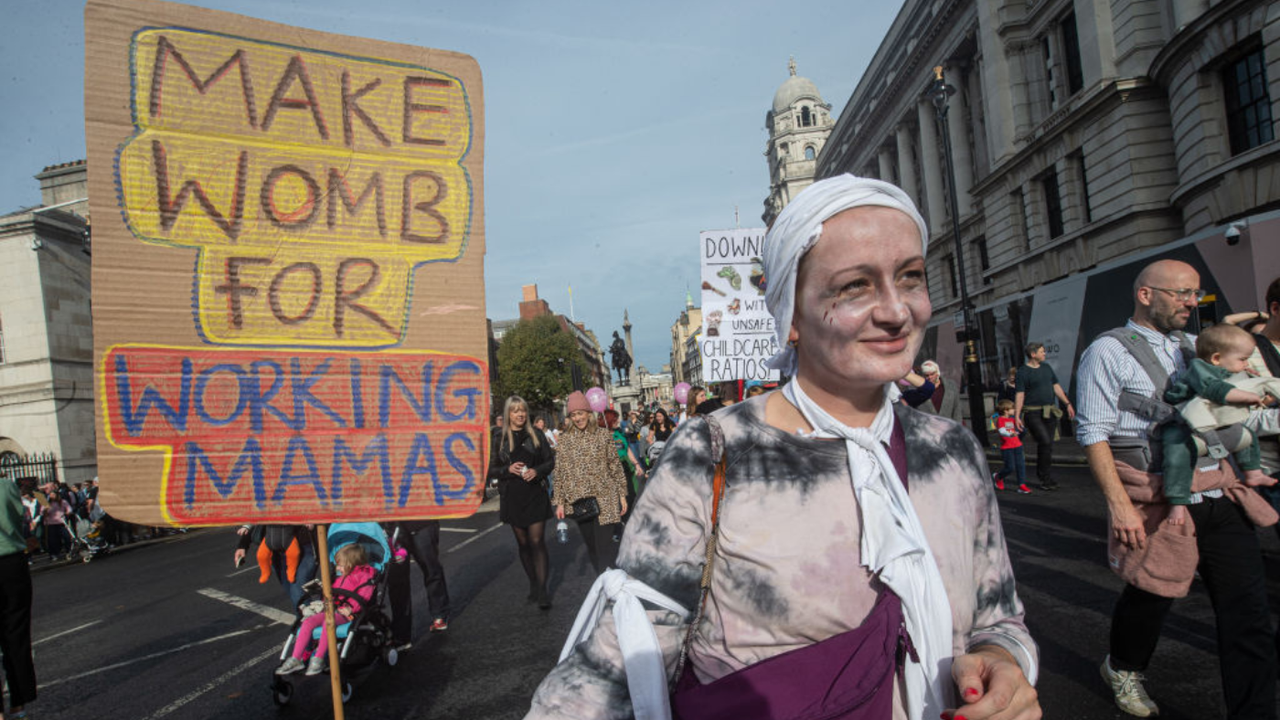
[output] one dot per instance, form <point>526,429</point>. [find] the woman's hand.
<point>991,684</point>
<point>624,505</point>
<point>559,512</point>
<point>914,379</point>
<point>516,469</point>
<point>529,474</point>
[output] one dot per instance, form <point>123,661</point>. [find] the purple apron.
<point>849,675</point>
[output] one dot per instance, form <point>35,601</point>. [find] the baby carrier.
<point>1216,430</point>
<point>364,641</point>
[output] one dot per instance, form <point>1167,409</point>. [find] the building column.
<point>1000,102</point>
<point>936,209</point>
<point>907,164</point>
<point>961,156</point>
<point>886,164</point>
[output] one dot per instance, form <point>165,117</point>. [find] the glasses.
<point>1182,294</point>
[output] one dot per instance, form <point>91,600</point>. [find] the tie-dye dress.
<point>787,570</point>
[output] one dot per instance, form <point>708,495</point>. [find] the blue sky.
<point>615,131</point>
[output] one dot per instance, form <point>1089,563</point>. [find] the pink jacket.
<point>359,581</point>
<point>1167,564</point>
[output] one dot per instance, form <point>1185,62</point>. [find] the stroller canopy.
<point>368,534</point>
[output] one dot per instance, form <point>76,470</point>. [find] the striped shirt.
<point>1107,368</point>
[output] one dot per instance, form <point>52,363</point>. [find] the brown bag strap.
<point>718,484</point>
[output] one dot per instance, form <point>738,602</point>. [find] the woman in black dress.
<point>661,427</point>
<point>521,459</point>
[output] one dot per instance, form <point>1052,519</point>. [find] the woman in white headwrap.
<point>845,580</point>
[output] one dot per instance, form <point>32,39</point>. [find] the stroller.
<point>364,641</point>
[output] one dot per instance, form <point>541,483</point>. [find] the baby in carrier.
<point>1222,351</point>
<point>354,575</point>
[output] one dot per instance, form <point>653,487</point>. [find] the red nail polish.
<point>971,692</point>
<point>960,717</point>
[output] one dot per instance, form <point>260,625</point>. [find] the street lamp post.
<point>940,92</point>
<point>573,372</point>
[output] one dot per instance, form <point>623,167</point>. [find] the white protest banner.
<point>737,330</point>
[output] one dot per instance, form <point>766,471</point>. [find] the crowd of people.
<point>833,547</point>
<point>590,469</point>
<point>854,520</point>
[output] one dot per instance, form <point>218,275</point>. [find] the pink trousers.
<point>302,645</point>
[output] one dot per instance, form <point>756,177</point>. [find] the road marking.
<point>66,632</point>
<point>461,530</point>
<point>470,540</point>
<point>176,704</point>
<point>153,656</point>
<point>265,611</point>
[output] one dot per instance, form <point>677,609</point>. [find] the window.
<point>1047,49</point>
<point>954,290</point>
<point>805,118</point>
<point>1248,105</point>
<point>984,259</point>
<point>1052,202</point>
<point>1071,54</point>
<point>809,154</point>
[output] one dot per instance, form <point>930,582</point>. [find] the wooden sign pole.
<point>330,632</point>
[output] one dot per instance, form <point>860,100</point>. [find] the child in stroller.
<point>355,576</point>
<point>363,628</point>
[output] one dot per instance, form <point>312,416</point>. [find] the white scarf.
<point>894,545</point>
<point>638,641</point>
<point>799,227</point>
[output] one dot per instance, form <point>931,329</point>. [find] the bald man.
<point>1230,562</point>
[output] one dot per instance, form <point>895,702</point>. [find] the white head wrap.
<point>799,227</point>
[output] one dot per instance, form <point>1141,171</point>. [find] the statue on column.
<point>621,359</point>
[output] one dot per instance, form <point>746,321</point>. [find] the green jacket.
<point>12,519</point>
<point>1200,380</point>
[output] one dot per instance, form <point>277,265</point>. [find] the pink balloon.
<point>681,392</point>
<point>597,399</point>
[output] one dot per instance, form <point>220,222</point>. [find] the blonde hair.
<point>514,402</point>
<point>353,555</point>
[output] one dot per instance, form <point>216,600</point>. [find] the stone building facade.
<point>687,326</point>
<point>1085,135</point>
<point>46,329</point>
<point>532,306</point>
<point>798,125</point>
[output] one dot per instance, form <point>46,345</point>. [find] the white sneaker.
<point>1126,685</point>
<point>289,666</point>
<point>317,665</point>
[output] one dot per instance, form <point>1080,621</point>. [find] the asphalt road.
<point>173,630</point>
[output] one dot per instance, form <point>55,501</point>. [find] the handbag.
<point>586,509</point>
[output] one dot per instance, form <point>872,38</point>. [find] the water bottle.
<point>562,532</point>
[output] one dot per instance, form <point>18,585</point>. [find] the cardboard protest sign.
<point>737,330</point>
<point>287,271</point>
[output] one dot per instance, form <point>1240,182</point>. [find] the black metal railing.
<point>29,471</point>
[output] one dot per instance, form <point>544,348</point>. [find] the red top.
<point>1008,442</point>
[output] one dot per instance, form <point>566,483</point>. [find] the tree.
<point>536,361</point>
